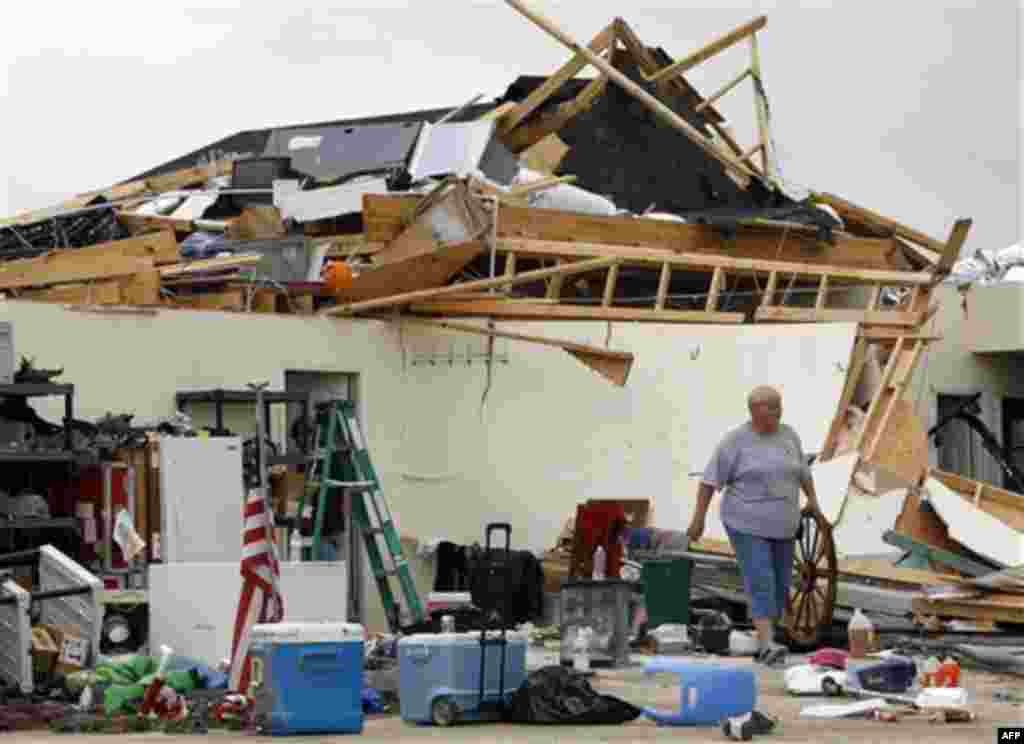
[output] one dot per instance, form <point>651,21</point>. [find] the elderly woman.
<point>761,468</point>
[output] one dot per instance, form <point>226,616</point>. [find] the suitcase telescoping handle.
<point>499,527</point>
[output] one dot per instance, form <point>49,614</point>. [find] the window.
<point>958,446</point>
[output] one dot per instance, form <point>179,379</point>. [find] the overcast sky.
<point>911,108</point>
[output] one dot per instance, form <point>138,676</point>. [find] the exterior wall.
<point>951,367</point>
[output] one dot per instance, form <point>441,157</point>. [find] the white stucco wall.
<point>551,434</point>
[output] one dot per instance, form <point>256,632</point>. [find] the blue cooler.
<point>439,675</point>
<point>307,678</point>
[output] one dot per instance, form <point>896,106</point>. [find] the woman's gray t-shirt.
<point>760,476</point>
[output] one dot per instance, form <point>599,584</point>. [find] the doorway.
<point>958,447</point>
<point>1013,434</point>
<point>321,387</point>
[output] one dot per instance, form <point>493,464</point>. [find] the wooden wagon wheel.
<point>812,596</point>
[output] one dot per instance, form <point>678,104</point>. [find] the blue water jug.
<point>707,692</point>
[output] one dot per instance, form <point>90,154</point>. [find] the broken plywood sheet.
<point>450,216</point>
<point>975,529</point>
<point>419,272</point>
<point>832,483</point>
<point>324,203</point>
<point>806,363</point>
<point>1006,506</point>
<point>865,519</point>
<point>902,450</point>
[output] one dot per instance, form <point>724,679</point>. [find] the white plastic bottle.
<point>295,547</point>
<point>599,564</point>
<point>581,651</point>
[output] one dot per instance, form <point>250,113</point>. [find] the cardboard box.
<point>285,491</point>
<point>44,651</point>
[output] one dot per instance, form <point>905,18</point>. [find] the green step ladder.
<point>340,462</point>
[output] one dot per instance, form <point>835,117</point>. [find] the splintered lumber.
<point>419,272</point>
<point>527,277</point>
<point>670,117</point>
<point>142,288</point>
<point>708,51</point>
<point>613,365</point>
<point>384,217</point>
<point>849,210</point>
<point>1006,608</point>
<point>513,309</point>
<point>103,261</point>
<point>448,215</point>
<point>106,292</point>
<point>155,184</point>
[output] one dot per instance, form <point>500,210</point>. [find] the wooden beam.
<point>657,107</point>
<point>385,216</point>
<point>853,373</point>
<point>609,285</point>
<point>209,264</point>
<point>768,298</point>
<point>663,282</point>
<point>849,209</point>
<point>554,288</point>
<point>708,51</point>
<point>810,315</point>
<point>565,73</point>
<point>527,277</point>
<point>540,185</point>
<point>615,365</point>
<point>724,90</point>
<point>951,251</point>
<point>760,107</point>
<point>527,311</point>
<point>822,298</point>
<point>137,222</point>
<point>717,280</point>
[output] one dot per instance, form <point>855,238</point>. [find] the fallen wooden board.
<point>106,292</point>
<point>709,50</point>
<point>1006,608</point>
<point>974,528</point>
<point>951,251</point>
<point>210,264</point>
<point>546,155</point>
<point>813,315</point>
<point>419,272</point>
<point>527,277</point>
<point>75,265</point>
<point>512,309</point>
<point>256,223</point>
<point>385,216</point>
<point>1006,506</point>
<point>614,365</point>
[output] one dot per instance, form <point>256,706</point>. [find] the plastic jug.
<point>600,561</point>
<point>930,669</point>
<point>861,633</point>
<point>707,692</point>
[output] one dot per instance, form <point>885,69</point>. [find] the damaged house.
<point>432,267</point>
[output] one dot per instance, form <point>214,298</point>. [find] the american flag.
<point>261,600</point>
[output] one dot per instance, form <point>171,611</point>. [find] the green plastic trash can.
<point>667,591</point>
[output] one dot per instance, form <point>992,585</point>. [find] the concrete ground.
<point>632,685</point>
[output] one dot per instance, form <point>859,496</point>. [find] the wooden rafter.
<point>709,50</point>
<point>613,365</point>
<point>850,210</point>
<point>601,43</point>
<point>385,216</point>
<point>951,251</point>
<point>525,310</point>
<point>731,163</point>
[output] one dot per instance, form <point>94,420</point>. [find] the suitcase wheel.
<point>444,711</point>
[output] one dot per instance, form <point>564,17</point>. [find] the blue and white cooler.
<point>307,678</point>
<point>439,675</point>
